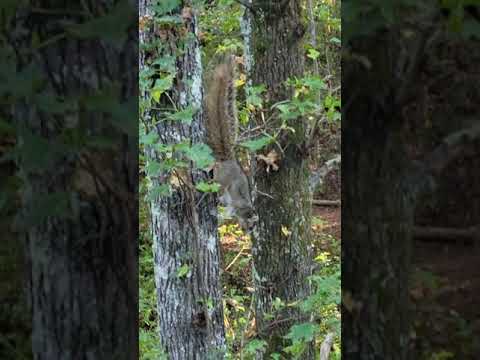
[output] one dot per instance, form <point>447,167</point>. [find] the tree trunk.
<point>379,194</point>
<point>376,247</point>
<point>15,320</point>
<point>184,224</point>
<point>80,206</point>
<point>281,241</point>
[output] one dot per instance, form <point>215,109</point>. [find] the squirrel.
<point>222,128</point>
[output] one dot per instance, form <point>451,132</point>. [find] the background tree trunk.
<point>15,319</point>
<point>184,225</point>
<point>80,206</point>
<point>376,243</point>
<point>282,259</point>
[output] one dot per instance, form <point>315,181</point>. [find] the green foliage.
<point>254,346</point>
<point>206,187</point>
<point>149,344</point>
<point>163,7</point>
<point>258,144</point>
<point>200,154</point>
<point>183,271</point>
<point>107,27</point>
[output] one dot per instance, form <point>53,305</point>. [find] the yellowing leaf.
<point>270,160</point>
<point>285,231</point>
<point>241,81</point>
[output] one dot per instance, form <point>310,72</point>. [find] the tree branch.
<point>440,233</point>
<point>450,149</point>
<point>326,202</point>
<point>426,171</point>
<point>319,175</point>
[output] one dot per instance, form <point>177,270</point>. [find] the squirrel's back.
<point>222,122</point>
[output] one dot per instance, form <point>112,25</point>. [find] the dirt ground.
<point>447,314</point>
<point>332,215</point>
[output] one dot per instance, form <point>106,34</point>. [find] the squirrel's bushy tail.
<point>222,122</point>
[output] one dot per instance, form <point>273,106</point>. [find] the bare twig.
<point>264,194</point>
<point>235,259</point>
<point>319,175</point>
<point>450,148</point>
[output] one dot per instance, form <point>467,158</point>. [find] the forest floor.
<point>444,291</point>
<point>445,284</point>
<point>332,217</point>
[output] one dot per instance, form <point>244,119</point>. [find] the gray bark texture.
<point>281,241</point>
<point>79,199</point>
<point>15,320</point>
<point>184,224</point>
<point>380,189</point>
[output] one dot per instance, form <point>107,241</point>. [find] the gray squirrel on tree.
<point>222,128</point>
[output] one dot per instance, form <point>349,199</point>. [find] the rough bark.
<point>184,224</point>
<point>282,238</point>
<point>376,245</point>
<point>15,320</point>
<point>84,280</point>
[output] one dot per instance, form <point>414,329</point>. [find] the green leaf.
<point>161,85</point>
<point>122,115</point>
<point>165,6</point>
<point>185,116</point>
<point>255,145</point>
<point>149,139</point>
<point>315,83</point>
<point>183,271</point>
<point>302,332</point>
<point>254,346</point>
<point>335,40</point>
<point>313,54</point>
<point>155,192</point>
<point>254,97</point>
<point>153,168</point>
<point>207,187</point>
<point>111,27</point>
<point>200,154</point>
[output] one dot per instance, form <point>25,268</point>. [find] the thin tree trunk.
<point>281,241</point>
<point>184,225</point>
